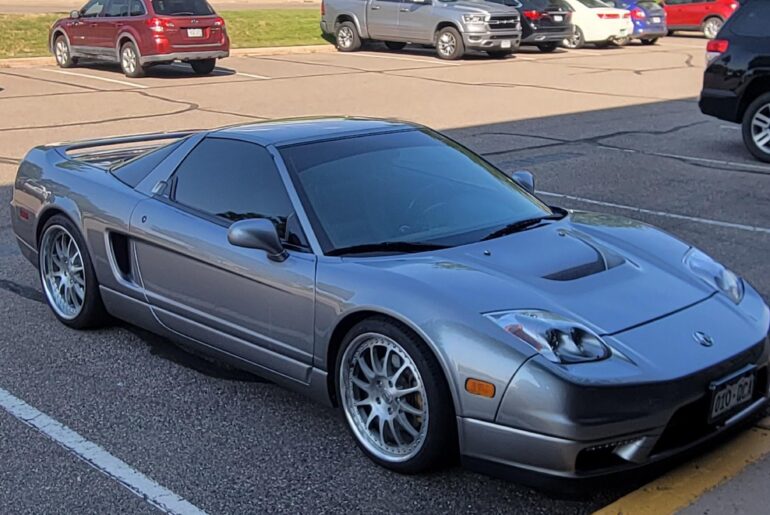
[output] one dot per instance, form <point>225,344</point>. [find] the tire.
<point>130,61</point>
<point>203,66</point>
<point>622,41</point>
<point>347,37</point>
<point>499,54</point>
<point>449,44</point>
<point>432,440</point>
<point>576,41</point>
<point>67,276</point>
<point>395,45</point>
<point>547,47</point>
<point>650,41</point>
<point>711,26</point>
<point>63,53</point>
<point>756,128</point>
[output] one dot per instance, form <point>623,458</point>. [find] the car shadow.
<point>161,71</point>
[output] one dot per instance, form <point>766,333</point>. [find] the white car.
<point>598,23</point>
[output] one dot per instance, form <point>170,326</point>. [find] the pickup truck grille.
<point>503,22</point>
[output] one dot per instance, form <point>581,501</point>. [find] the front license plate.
<point>730,394</point>
<point>505,44</point>
<point>558,17</point>
<point>656,19</point>
<point>195,33</point>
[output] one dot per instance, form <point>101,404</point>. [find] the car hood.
<point>478,7</point>
<point>608,272</point>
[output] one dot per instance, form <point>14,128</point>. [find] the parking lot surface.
<point>614,130</point>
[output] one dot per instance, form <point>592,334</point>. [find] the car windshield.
<point>413,187</point>
<point>182,7</point>
<point>595,3</point>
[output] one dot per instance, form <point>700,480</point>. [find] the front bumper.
<point>492,40</point>
<point>184,56</point>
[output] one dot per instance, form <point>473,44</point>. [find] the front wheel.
<point>63,53</point>
<point>756,128</point>
<point>348,39</point>
<point>203,66</point>
<point>576,40</point>
<point>711,27</point>
<point>395,398</point>
<point>650,41</point>
<point>130,62</point>
<point>547,47</point>
<point>449,44</point>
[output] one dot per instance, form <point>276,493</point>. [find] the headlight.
<point>474,18</point>
<point>559,339</point>
<point>715,274</point>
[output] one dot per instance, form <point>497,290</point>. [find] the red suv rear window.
<point>182,7</point>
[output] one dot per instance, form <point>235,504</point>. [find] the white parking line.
<point>141,485</point>
<point>374,54</point>
<point>718,223</point>
<point>714,161</point>
<point>253,76</point>
<point>94,77</point>
<point>223,73</point>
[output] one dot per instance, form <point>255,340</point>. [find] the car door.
<point>382,19</point>
<point>694,12</point>
<point>82,34</point>
<point>199,285</point>
<point>415,21</point>
<point>675,13</point>
<point>115,15</point>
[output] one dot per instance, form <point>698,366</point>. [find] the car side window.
<point>752,20</point>
<point>116,8</point>
<point>137,8</point>
<point>235,180</point>
<point>93,9</point>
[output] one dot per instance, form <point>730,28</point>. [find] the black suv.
<point>544,23</point>
<point>736,85</point>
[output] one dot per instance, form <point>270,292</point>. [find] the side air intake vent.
<point>121,253</point>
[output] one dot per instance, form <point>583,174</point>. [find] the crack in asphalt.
<point>9,160</point>
<point>22,291</point>
<point>40,79</point>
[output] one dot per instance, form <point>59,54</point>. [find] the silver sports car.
<point>383,268</point>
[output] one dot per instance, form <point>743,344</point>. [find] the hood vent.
<point>605,259</point>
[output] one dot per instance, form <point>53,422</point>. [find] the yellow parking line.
<point>685,484</point>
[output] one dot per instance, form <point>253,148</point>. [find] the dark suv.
<point>544,23</point>
<point>736,84</point>
<point>140,33</point>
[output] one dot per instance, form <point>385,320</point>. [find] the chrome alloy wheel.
<point>128,59</point>
<point>345,37</point>
<point>712,27</point>
<point>62,51</point>
<point>62,271</point>
<point>574,41</point>
<point>760,128</point>
<point>384,397</point>
<point>447,44</point>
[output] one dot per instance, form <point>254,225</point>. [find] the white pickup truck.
<point>451,26</point>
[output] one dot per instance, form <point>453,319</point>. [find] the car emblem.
<point>703,339</point>
<point>194,21</point>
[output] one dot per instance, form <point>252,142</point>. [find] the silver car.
<point>383,268</point>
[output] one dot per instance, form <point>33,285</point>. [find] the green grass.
<point>26,35</point>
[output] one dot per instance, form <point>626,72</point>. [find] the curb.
<point>31,62</point>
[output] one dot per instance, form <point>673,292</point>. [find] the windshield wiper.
<point>521,225</point>
<point>386,246</point>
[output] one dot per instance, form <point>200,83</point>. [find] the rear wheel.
<point>348,39</point>
<point>63,53</point>
<point>576,40</point>
<point>756,128</point>
<point>395,45</point>
<point>547,47</point>
<point>650,41</point>
<point>622,41</point>
<point>67,275</point>
<point>130,62</point>
<point>449,44</point>
<point>203,66</point>
<point>712,26</point>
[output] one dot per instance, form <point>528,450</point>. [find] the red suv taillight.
<point>160,25</point>
<point>715,48</point>
<point>608,16</point>
<point>638,14</point>
<point>532,15</point>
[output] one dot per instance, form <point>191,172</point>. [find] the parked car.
<point>544,23</point>
<point>736,84</point>
<point>597,22</point>
<point>141,33</point>
<point>648,17</point>
<point>706,16</point>
<point>451,26</point>
<point>381,267</point>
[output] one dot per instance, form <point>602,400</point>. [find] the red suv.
<point>141,33</point>
<point>707,16</point>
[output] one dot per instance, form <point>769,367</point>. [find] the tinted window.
<point>233,180</point>
<point>407,187</point>
<point>595,3</point>
<point>542,5</point>
<point>132,172</point>
<point>137,8</point>
<point>117,8</point>
<point>182,7</point>
<point>93,8</point>
<point>752,20</point>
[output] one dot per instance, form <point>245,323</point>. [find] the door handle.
<point>375,8</point>
<point>404,10</point>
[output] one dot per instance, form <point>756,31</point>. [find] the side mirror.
<point>260,234</point>
<point>525,179</point>
<point>74,15</point>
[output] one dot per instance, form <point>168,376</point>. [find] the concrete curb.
<point>31,62</point>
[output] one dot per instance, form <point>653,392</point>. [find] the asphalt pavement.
<point>614,131</point>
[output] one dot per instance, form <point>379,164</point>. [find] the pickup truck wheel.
<point>576,40</point>
<point>63,53</point>
<point>547,47</point>
<point>348,39</point>
<point>756,128</point>
<point>712,26</point>
<point>130,62</point>
<point>449,44</point>
<point>203,66</point>
<point>395,45</point>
